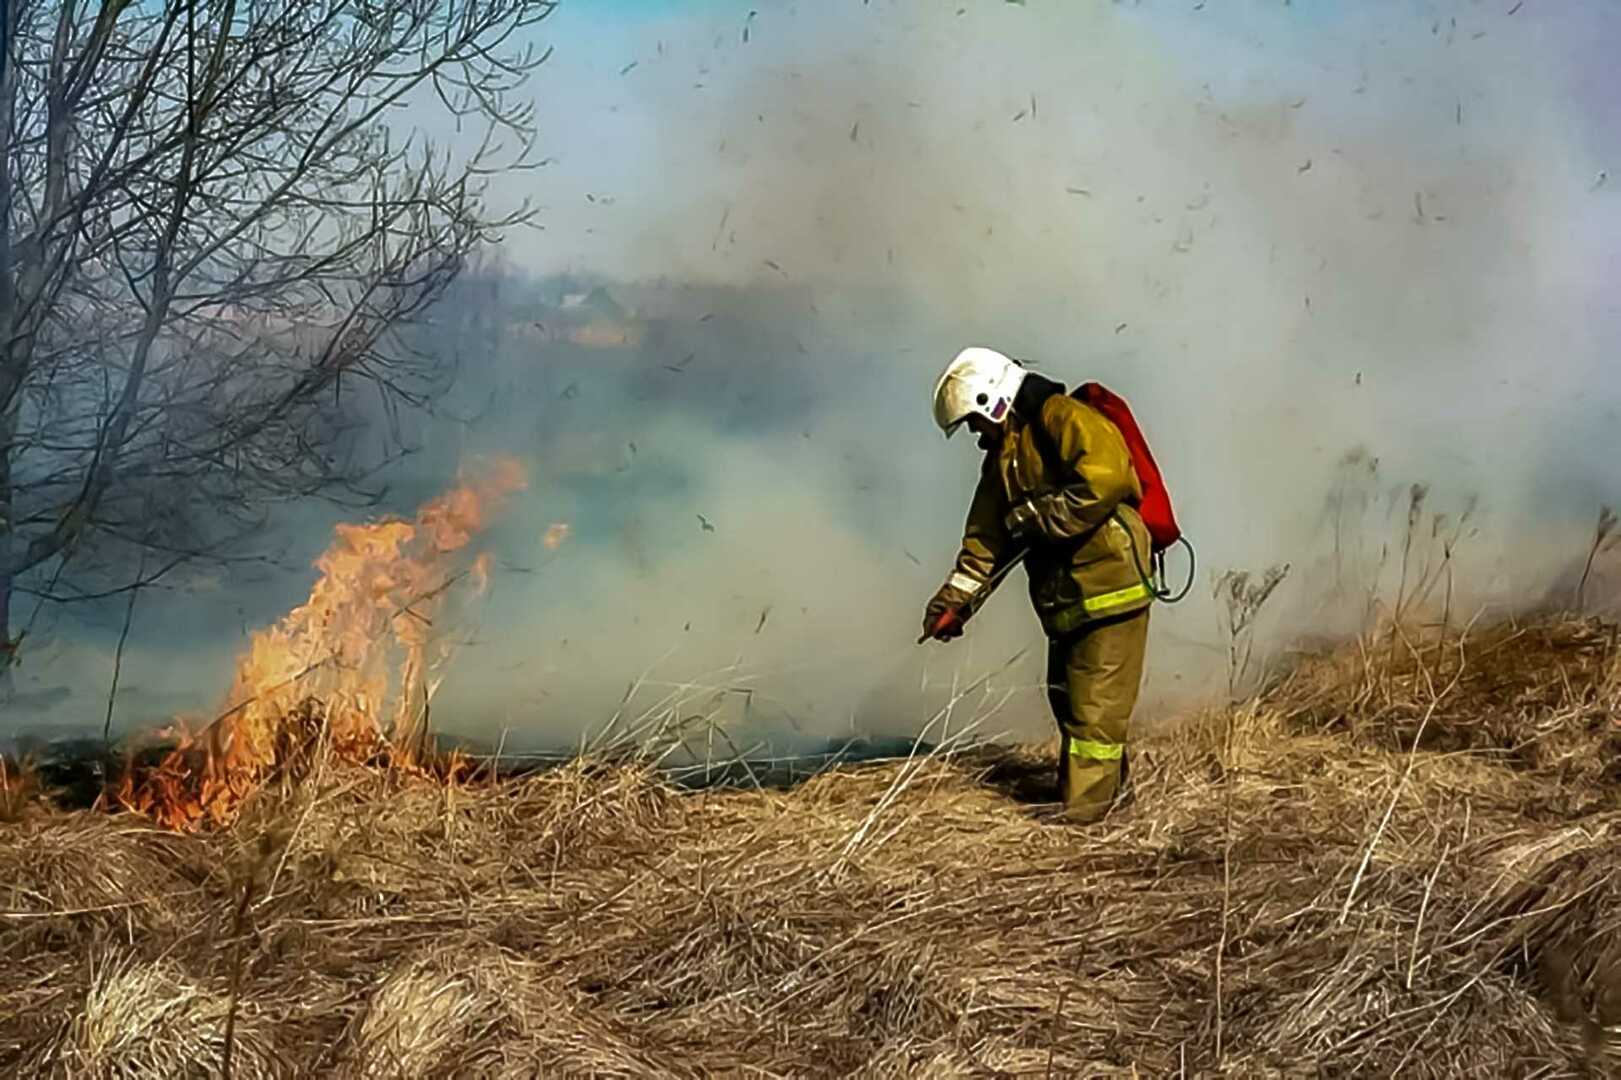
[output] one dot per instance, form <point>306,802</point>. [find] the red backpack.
<point>1155,508</point>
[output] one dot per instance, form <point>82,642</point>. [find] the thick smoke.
<point>1325,255</point>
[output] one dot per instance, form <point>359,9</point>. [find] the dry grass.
<point>1438,912</point>
<point>145,1020</point>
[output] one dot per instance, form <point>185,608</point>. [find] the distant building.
<point>589,316</point>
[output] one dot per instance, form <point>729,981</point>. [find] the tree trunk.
<point>10,362</point>
<point>8,432</point>
<point>8,440</point>
<point>7,656</point>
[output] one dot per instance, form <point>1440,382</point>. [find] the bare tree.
<point>218,222</point>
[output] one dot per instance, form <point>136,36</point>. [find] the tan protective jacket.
<point>1089,555</point>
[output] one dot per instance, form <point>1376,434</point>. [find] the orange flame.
<point>349,668</point>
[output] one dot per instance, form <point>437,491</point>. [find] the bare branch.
<point>192,268</point>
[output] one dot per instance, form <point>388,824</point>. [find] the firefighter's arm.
<point>985,544</point>
<point>1096,473</point>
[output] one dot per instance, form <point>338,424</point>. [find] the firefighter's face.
<point>989,431</point>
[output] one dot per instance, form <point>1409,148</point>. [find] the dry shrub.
<point>573,1040</point>
<point>88,869</point>
<point>440,1015</point>
<point>910,997</point>
<point>908,1062</point>
<point>148,1021</point>
<point>585,815</point>
<point>694,952</point>
<point>1542,693</point>
<point>575,813</point>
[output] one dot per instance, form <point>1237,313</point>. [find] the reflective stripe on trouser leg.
<point>1093,678</point>
<point>1088,750</point>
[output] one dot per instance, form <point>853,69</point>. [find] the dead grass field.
<point>1295,891</point>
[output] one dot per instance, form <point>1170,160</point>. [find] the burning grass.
<point>350,673</point>
<point>1295,890</point>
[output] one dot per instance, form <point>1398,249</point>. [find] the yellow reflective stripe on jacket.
<point>1129,595</point>
<point>1095,751</point>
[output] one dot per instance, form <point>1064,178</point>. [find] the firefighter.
<point>1057,484</point>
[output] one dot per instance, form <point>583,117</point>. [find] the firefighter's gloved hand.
<point>1024,520</point>
<point>947,599</point>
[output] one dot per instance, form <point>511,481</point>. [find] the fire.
<point>351,669</point>
<point>555,535</point>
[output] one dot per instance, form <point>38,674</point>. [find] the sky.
<point>1301,239</point>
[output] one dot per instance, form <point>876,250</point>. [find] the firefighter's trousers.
<point>1093,678</point>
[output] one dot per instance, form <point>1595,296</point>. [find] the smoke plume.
<point>1325,254</point>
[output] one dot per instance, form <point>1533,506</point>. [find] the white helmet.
<point>979,381</point>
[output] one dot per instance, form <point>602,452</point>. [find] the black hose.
<point>1187,587</point>
<point>1160,591</point>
